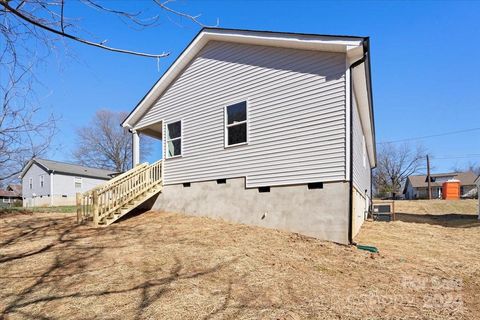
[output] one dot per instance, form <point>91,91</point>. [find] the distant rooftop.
<point>420,181</point>
<point>70,168</point>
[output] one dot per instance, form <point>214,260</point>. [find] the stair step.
<point>128,206</point>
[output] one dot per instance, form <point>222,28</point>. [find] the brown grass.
<point>437,207</point>
<point>170,266</point>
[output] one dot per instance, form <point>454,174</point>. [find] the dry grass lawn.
<point>170,266</point>
<point>435,207</point>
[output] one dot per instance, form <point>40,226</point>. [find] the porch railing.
<point>104,200</point>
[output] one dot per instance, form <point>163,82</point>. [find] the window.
<point>42,181</point>
<point>78,183</point>
<point>236,129</point>
<point>6,200</point>
<point>174,139</point>
<point>30,183</point>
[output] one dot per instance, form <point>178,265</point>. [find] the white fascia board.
<point>283,40</point>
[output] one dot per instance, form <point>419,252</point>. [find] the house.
<point>263,128</point>
<point>11,196</point>
<point>54,183</point>
<point>416,187</point>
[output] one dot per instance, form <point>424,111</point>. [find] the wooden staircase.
<point>112,200</point>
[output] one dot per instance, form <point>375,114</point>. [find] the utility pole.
<point>429,179</point>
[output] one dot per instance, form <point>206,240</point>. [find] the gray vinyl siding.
<point>361,172</point>
<point>65,184</point>
<point>34,172</point>
<point>296,115</point>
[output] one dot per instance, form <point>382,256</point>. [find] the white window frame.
<point>42,181</point>
<point>30,183</point>
<point>79,180</point>
<point>226,125</point>
<point>6,200</point>
<point>167,156</point>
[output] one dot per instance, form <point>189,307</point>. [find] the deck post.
<point>136,148</point>
<point>79,207</point>
<point>95,208</point>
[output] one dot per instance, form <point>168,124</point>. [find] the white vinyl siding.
<point>361,163</point>
<point>296,115</point>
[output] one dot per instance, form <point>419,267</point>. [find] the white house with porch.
<point>264,128</point>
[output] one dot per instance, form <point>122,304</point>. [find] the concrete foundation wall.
<point>360,208</point>
<point>320,213</point>
<point>46,201</point>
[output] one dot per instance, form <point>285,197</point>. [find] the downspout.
<point>350,196</point>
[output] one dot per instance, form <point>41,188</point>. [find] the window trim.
<point>42,181</point>
<point>6,200</point>
<point>75,182</point>
<point>30,183</point>
<point>179,138</point>
<point>226,125</point>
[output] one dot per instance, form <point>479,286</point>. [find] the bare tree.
<point>39,19</point>
<point>471,166</point>
<point>29,31</point>
<point>23,133</point>
<point>105,144</point>
<point>395,164</point>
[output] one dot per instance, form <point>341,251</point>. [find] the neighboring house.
<point>11,196</point>
<point>416,187</point>
<point>266,128</point>
<point>54,183</point>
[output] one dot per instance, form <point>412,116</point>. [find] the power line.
<point>467,156</point>
<point>430,136</point>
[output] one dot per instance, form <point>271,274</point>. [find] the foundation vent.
<point>315,185</point>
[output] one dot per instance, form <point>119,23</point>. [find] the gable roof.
<point>267,38</point>
<point>17,188</point>
<point>68,168</point>
<point>420,181</point>
<point>9,193</point>
<point>356,48</point>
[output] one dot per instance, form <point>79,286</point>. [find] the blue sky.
<point>425,63</point>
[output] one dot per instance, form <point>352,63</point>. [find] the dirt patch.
<point>170,266</point>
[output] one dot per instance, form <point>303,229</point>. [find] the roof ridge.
<point>73,164</point>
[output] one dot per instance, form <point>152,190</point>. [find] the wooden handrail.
<point>121,176</point>
<point>106,199</point>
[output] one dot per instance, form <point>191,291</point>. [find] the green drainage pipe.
<point>367,248</point>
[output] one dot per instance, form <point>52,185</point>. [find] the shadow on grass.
<point>452,220</point>
<point>56,260</point>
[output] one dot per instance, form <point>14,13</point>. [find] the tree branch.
<point>194,19</point>
<point>20,15</point>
